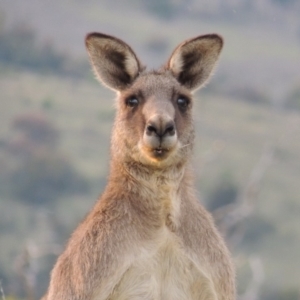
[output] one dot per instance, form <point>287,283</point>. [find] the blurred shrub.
<point>284,3</point>
<point>20,47</point>
<point>37,129</point>
<point>249,94</point>
<point>157,44</point>
<point>277,293</point>
<point>293,100</point>
<point>42,172</point>
<point>10,297</point>
<point>164,9</point>
<point>224,193</point>
<point>47,103</point>
<point>43,178</point>
<point>256,228</point>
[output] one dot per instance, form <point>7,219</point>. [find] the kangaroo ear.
<point>114,62</point>
<point>192,61</point>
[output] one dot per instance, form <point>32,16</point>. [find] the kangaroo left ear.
<point>114,62</point>
<point>192,62</point>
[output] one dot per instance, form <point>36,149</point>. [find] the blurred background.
<point>55,123</point>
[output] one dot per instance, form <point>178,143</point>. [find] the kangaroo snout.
<point>160,129</point>
<point>160,135</point>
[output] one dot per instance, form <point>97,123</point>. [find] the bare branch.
<point>258,277</point>
<point>27,268</point>
<point>230,215</point>
<point>2,291</point>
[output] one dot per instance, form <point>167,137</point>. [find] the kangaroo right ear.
<point>114,62</point>
<point>192,61</point>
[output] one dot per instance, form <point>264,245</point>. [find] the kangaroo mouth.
<point>160,152</point>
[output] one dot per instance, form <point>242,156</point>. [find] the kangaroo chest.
<point>162,272</point>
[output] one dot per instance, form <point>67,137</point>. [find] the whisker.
<point>185,145</point>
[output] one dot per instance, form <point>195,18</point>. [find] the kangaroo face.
<point>157,111</point>
<point>154,122</point>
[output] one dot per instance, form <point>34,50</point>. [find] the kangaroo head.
<point>154,123</point>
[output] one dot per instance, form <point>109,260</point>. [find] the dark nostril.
<point>170,129</point>
<point>151,129</point>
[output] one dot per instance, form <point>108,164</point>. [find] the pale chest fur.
<point>163,272</point>
<point>162,269</point>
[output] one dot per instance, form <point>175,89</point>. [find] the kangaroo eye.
<point>182,103</point>
<point>132,102</point>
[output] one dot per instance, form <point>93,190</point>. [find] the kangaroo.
<point>148,237</point>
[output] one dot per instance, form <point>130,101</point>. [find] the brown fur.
<point>148,237</point>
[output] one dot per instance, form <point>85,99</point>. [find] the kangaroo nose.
<point>160,129</point>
